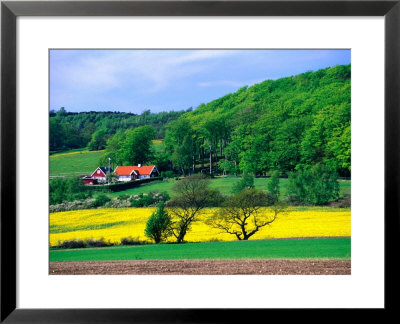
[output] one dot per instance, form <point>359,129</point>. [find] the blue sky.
<point>164,80</point>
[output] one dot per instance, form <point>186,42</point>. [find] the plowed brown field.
<point>203,267</point>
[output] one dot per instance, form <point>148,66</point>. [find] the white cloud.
<point>155,70</point>
<point>91,76</point>
<point>164,68</point>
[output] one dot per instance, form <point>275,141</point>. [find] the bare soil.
<point>203,267</point>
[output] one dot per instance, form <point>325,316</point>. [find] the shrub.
<point>167,174</point>
<point>150,199</point>
<point>123,197</point>
<point>158,225</point>
<point>164,196</point>
<point>71,244</point>
<point>73,205</point>
<point>344,202</point>
<point>246,182</point>
<point>292,199</point>
<point>317,185</point>
<point>270,198</point>
<point>67,189</point>
<point>79,244</point>
<point>100,200</point>
<point>131,241</point>
<point>97,243</point>
<point>143,200</point>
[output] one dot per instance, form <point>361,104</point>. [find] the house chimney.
<point>139,165</point>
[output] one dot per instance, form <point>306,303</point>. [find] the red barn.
<point>87,180</point>
<point>98,176</point>
<point>128,173</point>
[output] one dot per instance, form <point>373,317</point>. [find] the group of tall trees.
<point>70,130</point>
<point>285,125</point>
<point>132,146</point>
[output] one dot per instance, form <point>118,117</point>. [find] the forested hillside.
<point>286,125</point>
<point>280,125</point>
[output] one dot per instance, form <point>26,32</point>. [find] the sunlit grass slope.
<point>74,163</point>
<point>82,161</point>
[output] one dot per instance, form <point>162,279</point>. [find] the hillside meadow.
<point>114,224</point>
<point>79,162</point>
<point>74,163</point>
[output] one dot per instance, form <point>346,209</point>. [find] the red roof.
<point>127,170</point>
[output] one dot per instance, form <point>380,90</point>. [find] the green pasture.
<point>81,161</point>
<point>69,151</point>
<point>74,163</point>
<point>321,248</point>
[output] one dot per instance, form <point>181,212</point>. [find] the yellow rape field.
<point>116,223</point>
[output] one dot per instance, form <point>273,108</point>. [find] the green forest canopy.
<point>285,125</point>
<point>70,130</point>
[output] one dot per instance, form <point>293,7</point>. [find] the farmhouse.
<point>98,176</point>
<point>128,173</point>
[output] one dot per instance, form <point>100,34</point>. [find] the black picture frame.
<point>10,10</point>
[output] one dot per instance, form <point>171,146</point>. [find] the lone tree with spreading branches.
<point>243,214</point>
<point>192,195</point>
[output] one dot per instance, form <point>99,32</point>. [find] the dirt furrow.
<point>203,267</point>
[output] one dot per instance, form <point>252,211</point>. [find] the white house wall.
<point>124,178</point>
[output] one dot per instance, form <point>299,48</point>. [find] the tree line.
<point>69,130</point>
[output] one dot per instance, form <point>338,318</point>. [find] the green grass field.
<point>81,161</point>
<point>321,248</point>
<point>74,163</point>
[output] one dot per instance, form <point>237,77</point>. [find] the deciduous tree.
<point>317,185</point>
<point>244,214</point>
<point>192,195</point>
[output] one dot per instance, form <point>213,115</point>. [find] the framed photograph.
<point>241,154</point>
